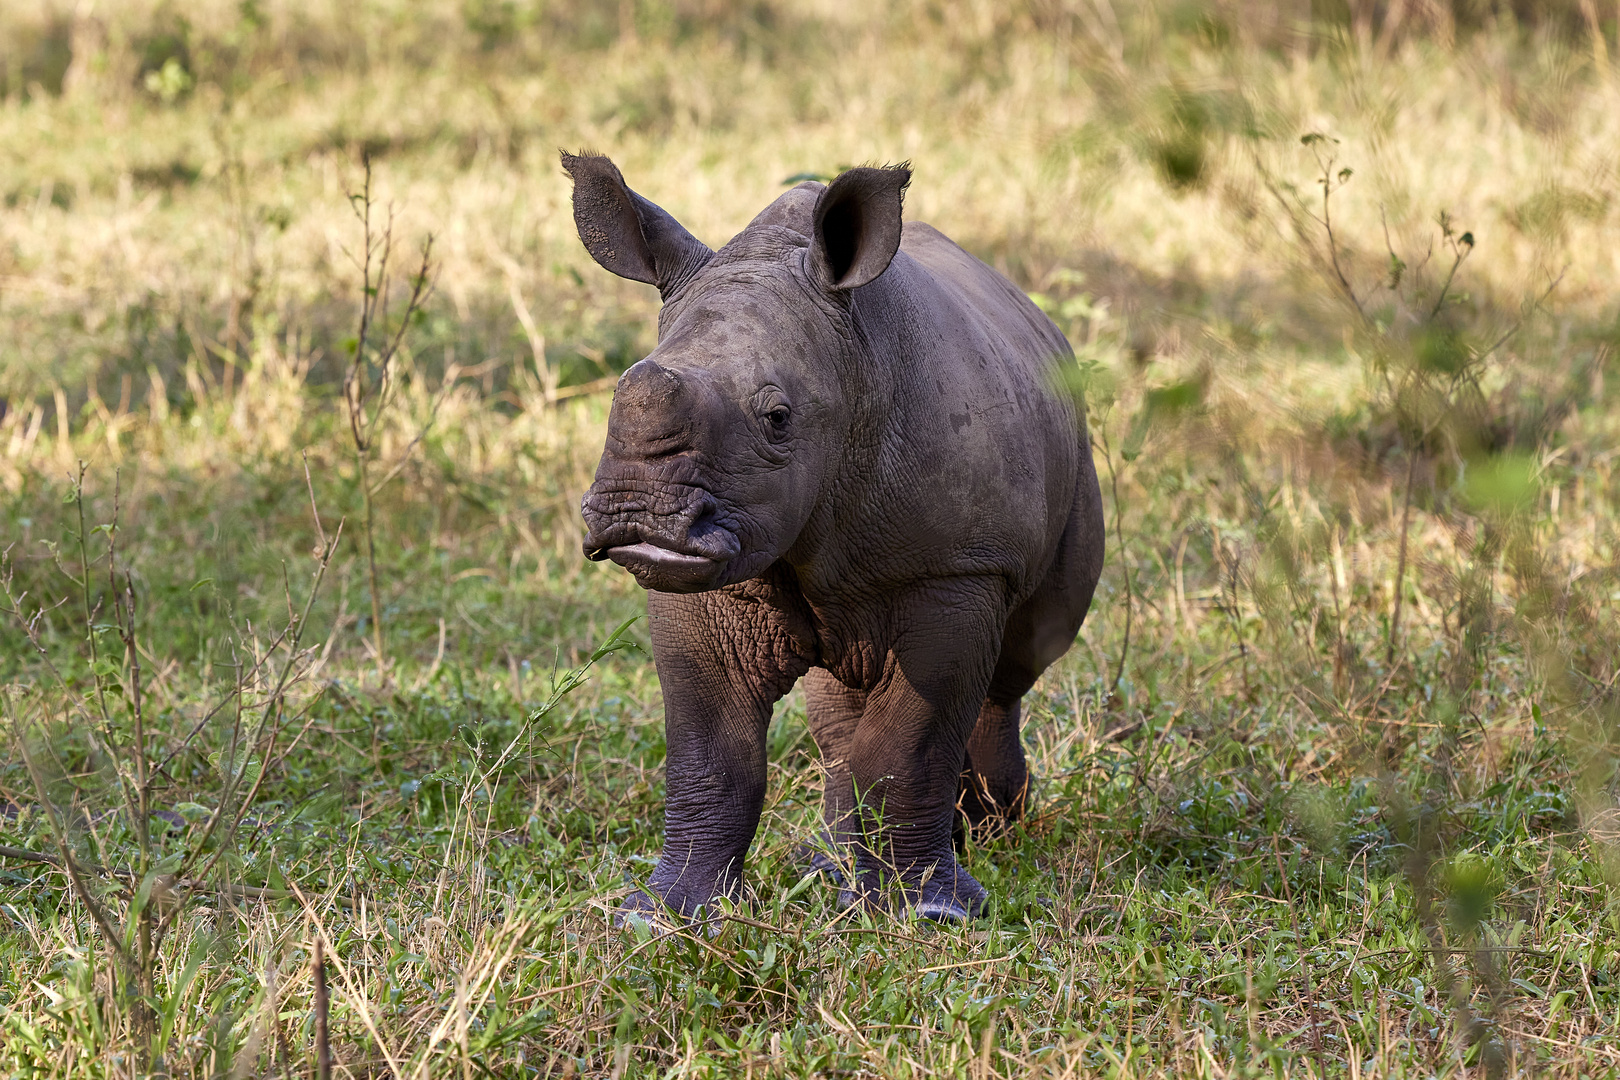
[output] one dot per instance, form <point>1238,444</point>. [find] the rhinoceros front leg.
<point>907,755</point>
<point>720,676</point>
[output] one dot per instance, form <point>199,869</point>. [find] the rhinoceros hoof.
<point>941,909</point>
<point>667,918</point>
<point>951,896</point>
<point>674,912</point>
<point>644,910</point>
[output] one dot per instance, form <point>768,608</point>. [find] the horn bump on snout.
<point>659,411</point>
<point>647,383</point>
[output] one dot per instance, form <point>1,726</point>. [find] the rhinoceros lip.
<point>659,566</point>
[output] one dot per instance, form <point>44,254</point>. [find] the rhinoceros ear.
<point>627,234</point>
<point>857,226</point>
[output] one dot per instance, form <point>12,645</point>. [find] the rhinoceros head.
<point>723,440</point>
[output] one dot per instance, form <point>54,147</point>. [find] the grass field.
<point>1327,785</point>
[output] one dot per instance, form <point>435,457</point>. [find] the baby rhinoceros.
<point>850,459</point>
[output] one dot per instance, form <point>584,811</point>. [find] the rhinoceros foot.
<point>952,896</point>
<point>946,894</point>
<point>678,910</point>
<point>661,921</point>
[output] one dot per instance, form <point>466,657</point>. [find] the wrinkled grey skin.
<point>845,461</point>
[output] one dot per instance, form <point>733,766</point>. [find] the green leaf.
<point>1087,381</point>
<point>143,895</point>
<point>1175,398</point>
<point>241,767</point>
<point>626,1026</point>
<point>193,812</point>
<point>804,883</point>
<point>1161,402</point>
<point>618,641</point>
<point>274,879</point>
<point>171,1001</point>
<point>1474,883</point>
<point>1503,486</point>
<point>1080,307</point>
<point>1440,349</point>
<point>400,959</point>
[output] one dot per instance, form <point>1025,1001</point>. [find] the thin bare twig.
<point>323,1007</point>
<point>1518,324</point>
<point>271,715</point>
<point>1462,252</point>
<point>369,383</point>
<point>1125,565</point>
<point>1400,562</point>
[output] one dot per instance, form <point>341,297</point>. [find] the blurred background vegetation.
<point>1342,282</point>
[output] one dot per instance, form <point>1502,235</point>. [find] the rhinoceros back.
<point>984,440</point>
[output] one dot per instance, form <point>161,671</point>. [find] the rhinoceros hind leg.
<point>995,779</point>
<point>834,711</point>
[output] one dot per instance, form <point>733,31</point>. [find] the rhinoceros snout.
<point>652,509</point>
<point>686,522</point>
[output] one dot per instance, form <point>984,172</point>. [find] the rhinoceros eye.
<point>773,410</point>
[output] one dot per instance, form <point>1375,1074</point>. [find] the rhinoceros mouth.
<point>695,562</point>
<point>670,537</point>
<point>664,569</point>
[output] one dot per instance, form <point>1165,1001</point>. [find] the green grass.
<point>1178,905</point>
<point>1326,787</point>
